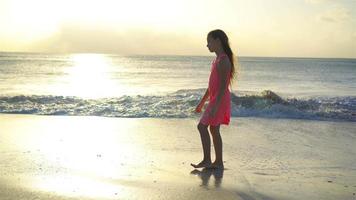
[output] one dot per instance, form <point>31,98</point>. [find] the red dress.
<point>223,113</point>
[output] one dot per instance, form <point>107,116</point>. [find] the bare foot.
<point>215,165</point>
<point>201,164</point>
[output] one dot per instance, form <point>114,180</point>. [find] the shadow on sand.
<point>218,174</point>
<point>205,175</point>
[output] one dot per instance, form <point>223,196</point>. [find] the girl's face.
<point>212,43</point>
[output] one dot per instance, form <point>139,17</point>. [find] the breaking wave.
<point>181,104</point>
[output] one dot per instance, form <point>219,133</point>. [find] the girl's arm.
<point>202,101</point>
<point>224,68</point>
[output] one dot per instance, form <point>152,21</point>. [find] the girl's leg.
<point>205,140</point>
<point>215,133</point>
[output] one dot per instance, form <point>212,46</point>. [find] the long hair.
<point>221,35</point>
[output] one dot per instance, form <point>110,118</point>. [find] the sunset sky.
<point>280,28</point>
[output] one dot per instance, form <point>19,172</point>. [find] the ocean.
<point>143,86</point>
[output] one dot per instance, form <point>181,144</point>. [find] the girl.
<point>219,109</point>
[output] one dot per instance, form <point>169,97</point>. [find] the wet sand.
<point>61,157</point>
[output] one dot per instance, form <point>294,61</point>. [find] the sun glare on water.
<point>89,76</point>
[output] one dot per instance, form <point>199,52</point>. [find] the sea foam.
<point>181,104</point>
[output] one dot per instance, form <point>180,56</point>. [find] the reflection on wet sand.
<point>205,175</point>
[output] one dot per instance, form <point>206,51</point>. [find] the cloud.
<point>332,10</point>
<point>316,1</point>
<point>337,14</point>
<point>84,38</point>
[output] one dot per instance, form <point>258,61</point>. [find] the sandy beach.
<point>61,157</point>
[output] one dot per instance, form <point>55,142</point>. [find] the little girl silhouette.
<point>218,110</point>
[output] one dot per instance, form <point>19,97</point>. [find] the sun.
<point>89,76</point>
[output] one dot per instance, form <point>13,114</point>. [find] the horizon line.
<point>195,55</point>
